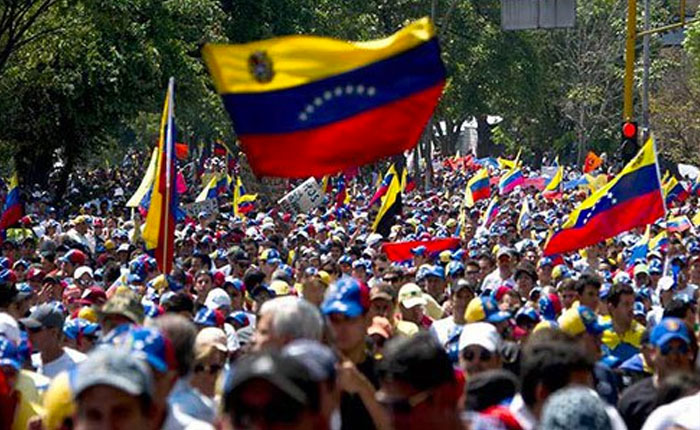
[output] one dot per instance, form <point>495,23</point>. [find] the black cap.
<point>284,372</point>
<point>419,361</point>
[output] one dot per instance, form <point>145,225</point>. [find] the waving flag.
<point>592,162</point>
<point>308,106</point>
<point>391,206</point>
<point>678,224</point>
<point>553,190</point>
<point>12,211</point>
<point>401,251</point>
<point>491,212</point>
<point>632,199</point>
<point>217,186</point>
<point>510,180</point>
<point>640,249</point>
<point>159,229</point>
<point>341,195</point>
<point>242,201</point>
<point>478,188</point>
<point>659,242</point>
<point>383,186</point>
<point>674,190</point>
<point>525,216</point>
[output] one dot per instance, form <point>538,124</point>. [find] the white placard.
<point>303,198</point>
<point>209,205</point>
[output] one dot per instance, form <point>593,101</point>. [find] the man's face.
<point>504,262</point>
<point>261,406</point>
<point>568,297</point>
<point>103,407</point>
<point>461,299</point>
<point>81,228</point>
<point>472,273</point>
<point>349,332</point>
<point>591,343</point>
<point>675,355</point>
<point>203,284</point>
<point>414,314</point>
<point>43,338</point>
<point>475,359</point>
<point>381,308</point>
<point>435,286</point>
<point>485,266</point>
<point>410,408</point>
<point>589,297</point>
<point>624,311</point>
<point>264,337</point>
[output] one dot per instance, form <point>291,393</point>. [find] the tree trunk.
<point>484,144</point>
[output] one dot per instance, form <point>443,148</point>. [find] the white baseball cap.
<point>9,328</point>
<point>480,333</point>
<point>217,298</point>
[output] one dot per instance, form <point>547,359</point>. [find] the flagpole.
<point>168,168</point>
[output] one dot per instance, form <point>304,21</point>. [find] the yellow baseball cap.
<point>58,402</point>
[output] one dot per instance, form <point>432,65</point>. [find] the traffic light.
<point>630,133</point>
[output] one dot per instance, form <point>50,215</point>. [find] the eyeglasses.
<point>403,405</point>
<point>680,350</point>
<point>484,355</point>
<point>212,369</point>
<point>276,411</point>
<point>473,272</point>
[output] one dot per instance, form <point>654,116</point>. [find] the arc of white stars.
<point>338,91</point>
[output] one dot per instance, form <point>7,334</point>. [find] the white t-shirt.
<point>66,361</point>
<point>684,412</point>
<point>493,280</point>
<point>178,420</point>
<point>442,329</point>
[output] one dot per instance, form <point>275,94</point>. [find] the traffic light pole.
<point>628,110</point>
<point>632,34</point>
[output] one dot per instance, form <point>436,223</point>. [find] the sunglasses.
<point>680,350</point>
<point>484,355</point>
<point>275,412</point>
<point>212,369</point>
<point>473,272</point>
<point>404,405</point>
<point>36,329</point>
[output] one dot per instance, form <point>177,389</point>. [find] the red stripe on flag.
<point>401,251</point>
<point>636,212</point>
<point>395,127</point>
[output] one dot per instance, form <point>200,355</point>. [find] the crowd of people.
<point>300,321</point>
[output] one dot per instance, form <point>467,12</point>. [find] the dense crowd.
<point>279,320</point>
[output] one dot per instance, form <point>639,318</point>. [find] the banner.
<point>193,209</point>
<point>401,251</point>
<point>303,198</point>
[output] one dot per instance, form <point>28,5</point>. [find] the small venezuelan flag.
<point>309,106</point>
<point>12,211</point>
<point>478,188</point>
<point>632,199</point>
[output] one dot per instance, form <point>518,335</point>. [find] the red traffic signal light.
<point>629,130</point>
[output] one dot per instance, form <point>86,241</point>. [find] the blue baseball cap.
<point>209,317</point>
<point>655,267</point>
<point>345,259</point>
<point>527,312</point>
<point>436,271</point>
<point>73,328</point>
<point>455,267</point>
<point>150,344</point>
<point>239,317</point>
<point>347,296</point>
<point>639,310</point>
<point>9,354</point>
<point>668,329</point>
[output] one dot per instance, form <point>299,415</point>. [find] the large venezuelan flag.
<point>159,230</point>
<point>308,106</point>
<point>12,210</point>
<point>632,199</point>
